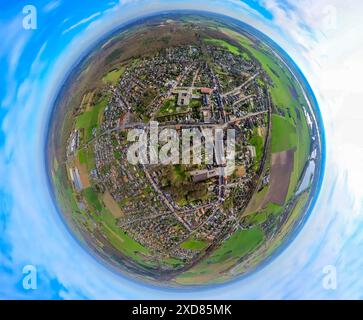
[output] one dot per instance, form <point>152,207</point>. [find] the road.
<point>236,90</point>
<point>244,99</point>
<point>165,199</point>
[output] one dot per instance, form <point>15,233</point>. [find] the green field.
<point>64,193</point>
<point>168,107</point>
<point>92,198</point>
<point>113,76</point>
<point>89,120</point>
<point>295,214</point>
<point>257,141</point>
<point>283,134</point>
<point>86,157</point>
<point>238,245</point>
<point>261,216</point>
<point>117,237</point>
<point>173,262</point>
<point>108,225</point>
<point>194,103</point>
<point>126,244</point>
<point>232,49</point>
<point>179,175</point>
<point>82,156</point>
<point>211,269</point>
<point>194,244</point>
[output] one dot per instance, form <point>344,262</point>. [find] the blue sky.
<point>324,40</point>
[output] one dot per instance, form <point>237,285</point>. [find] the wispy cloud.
<point>82,22</point>
<point>52,6</point>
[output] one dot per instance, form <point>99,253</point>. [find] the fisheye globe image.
<point>182,157</point>
<point>185,150</point>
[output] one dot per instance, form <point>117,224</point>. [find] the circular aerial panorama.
<point>185,149</point>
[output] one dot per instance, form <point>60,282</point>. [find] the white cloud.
<point>82,22</point>
<point>52,6</point>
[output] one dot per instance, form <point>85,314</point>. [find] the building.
<point>206,115</point>
<point>202,175</point>
<point>205,100</point>
<point>252,151</point>
<point>206,91</point>
<point>184,97</point>
<point>76,179</point>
